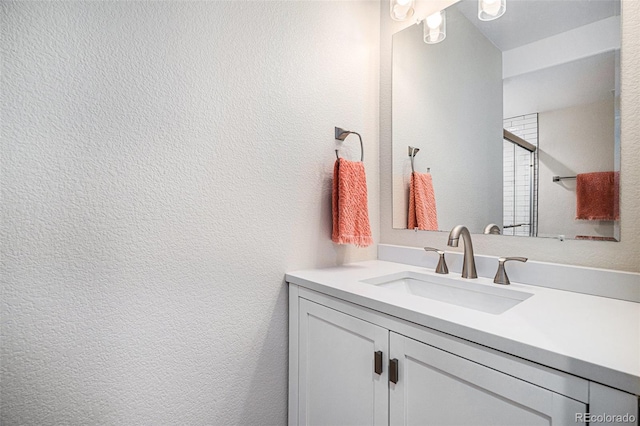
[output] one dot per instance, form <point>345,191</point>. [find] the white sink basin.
<point>460,292</point>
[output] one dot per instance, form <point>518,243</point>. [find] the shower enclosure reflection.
<point>520,171</point>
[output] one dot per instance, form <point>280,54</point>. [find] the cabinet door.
<point>438,388</point>
<point>337,382</point>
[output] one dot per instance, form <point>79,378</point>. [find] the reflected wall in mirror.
<point>500,108</point>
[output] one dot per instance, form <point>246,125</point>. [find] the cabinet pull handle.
<point>393,370</point>
<point>378,362</point>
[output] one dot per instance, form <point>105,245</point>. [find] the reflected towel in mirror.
<point>349,204</point>
<point>422,203</point>
<point>596,196</point>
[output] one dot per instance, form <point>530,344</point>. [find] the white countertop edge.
<point>591,371</point>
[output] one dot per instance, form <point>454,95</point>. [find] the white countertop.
<point>593,337</point>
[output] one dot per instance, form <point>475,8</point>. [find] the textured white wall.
<point>164,164</point>
<point>623,255</point>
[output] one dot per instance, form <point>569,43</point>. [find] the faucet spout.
<point>469,264</point>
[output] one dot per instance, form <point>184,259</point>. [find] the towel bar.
<point>559,178</point>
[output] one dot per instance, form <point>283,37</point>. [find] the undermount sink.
<point>465,293</point>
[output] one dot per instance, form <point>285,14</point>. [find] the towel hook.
<point>412,153</point>
<point>342,134</point>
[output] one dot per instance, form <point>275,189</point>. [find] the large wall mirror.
<point>513,122</point>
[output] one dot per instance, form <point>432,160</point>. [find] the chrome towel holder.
<point>412,153</point>
<point>342,134</point>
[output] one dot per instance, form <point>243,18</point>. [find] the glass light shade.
<point>401,9</point>
<point>489,10</point>
<point>435,27</point>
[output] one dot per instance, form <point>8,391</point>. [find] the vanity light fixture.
<point>435,27</point>
<point>401,9</point>
<point>489,10</point>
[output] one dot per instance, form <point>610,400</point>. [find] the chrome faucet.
<point>469,265</point>
<point>492,229</point>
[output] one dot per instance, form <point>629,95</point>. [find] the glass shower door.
<point>518,212</point>
<point>520,176</point>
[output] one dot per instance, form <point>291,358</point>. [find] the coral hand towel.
<point>422,203</point>
<point>596,196</point>
<point>349,204</point>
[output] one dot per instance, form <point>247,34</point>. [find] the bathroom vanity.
<point>382,342</point>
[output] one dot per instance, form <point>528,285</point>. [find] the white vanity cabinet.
<point>336,350</point>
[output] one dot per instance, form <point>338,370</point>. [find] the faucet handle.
<point>501,276</point>
<point>442,264</point>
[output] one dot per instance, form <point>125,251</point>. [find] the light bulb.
<point>401,9</point>
<point>435,28</point>
<point>489,10</point>
<point>434,21</point>
<point>491,7</point>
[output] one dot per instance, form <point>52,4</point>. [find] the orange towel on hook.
<point>422,203</point>
<point>597,196</point>
<point>349,204</point>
